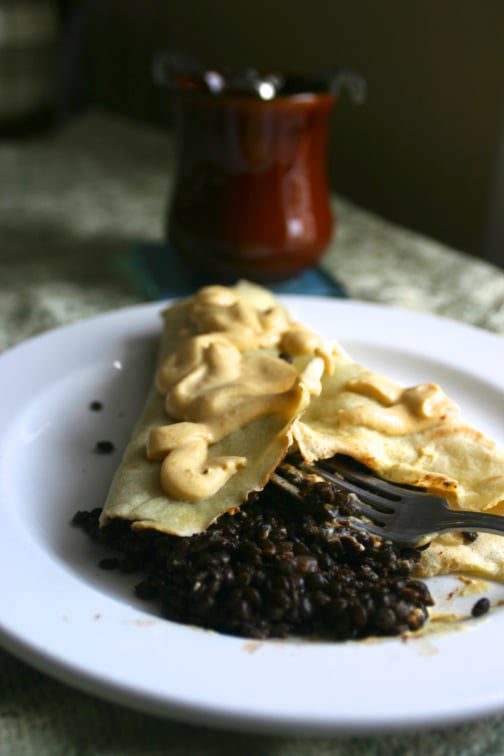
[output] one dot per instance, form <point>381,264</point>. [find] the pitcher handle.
<point>355,85</point>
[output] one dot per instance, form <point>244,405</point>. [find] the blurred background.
<point>426,150</point>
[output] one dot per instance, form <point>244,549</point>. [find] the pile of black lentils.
<point>281,566</point>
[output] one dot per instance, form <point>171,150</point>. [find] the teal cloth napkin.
<point>160,275</point>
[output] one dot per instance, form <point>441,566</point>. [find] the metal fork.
<point>394,512</point>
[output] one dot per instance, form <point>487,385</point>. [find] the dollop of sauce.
<point>397,411</point>
<point>225,374</point>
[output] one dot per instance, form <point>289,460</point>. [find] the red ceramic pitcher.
<point>250,195</point>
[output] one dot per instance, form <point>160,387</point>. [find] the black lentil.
<point>96,406</point>
<point>481,607</point>
<point>286,357</point>
<point>104,447</point>
<point>469,536</point>
<point>277,567</point>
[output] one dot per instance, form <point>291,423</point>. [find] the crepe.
<point>447,456</point>
<point>136,493</point>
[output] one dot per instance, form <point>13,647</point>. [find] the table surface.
<point>77,202</point>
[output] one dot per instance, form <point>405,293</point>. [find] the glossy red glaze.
<point>251,195</point>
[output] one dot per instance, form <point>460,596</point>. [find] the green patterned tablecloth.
<point>71,207</point>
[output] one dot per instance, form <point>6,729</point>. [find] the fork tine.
<point>286,486</point>
<point>376,515</point>
<point>369,527</point>
<point>369,480</point>
<point>375,501</point>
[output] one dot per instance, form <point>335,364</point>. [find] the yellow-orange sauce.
<point>398,411</point>
<point>218,380</point>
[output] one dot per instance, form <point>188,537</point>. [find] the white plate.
<point>63,614</point>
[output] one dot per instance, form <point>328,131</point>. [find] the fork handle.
<point>485,523</point>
